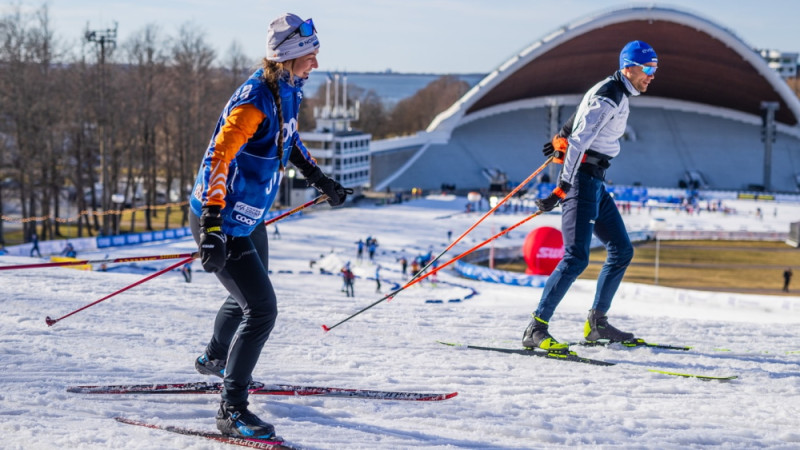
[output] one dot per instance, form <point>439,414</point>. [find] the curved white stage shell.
<point>701,114</point>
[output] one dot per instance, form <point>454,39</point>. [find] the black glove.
<point>328,186</point>
<point>212,240</point>
<point>551,201</point>
<point>548,149</point>
<point>558,146</point>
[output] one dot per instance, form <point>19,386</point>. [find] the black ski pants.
<point>246,318</point>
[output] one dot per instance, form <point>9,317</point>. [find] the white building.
<point>785,63</point>
<point>341,152</point>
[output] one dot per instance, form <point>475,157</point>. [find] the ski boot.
<point>237,420</point>
<point>207,366</point>
<point>597,328</point>
<point>537,336</point>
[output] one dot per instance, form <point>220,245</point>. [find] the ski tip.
<point>49,321</point>
<point>696,376</point>
<point>325,328</point>
<point>129,421</point>
<point>450,395</point>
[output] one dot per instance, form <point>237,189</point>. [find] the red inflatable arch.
<point>543,250</point>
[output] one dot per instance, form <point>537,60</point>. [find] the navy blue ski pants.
<point>246,318</point>
<point>588,209</point>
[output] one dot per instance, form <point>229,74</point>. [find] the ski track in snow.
<point>153,332</point>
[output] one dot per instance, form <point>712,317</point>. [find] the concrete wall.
<point>667,143</point>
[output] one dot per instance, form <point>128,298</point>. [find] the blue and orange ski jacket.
<point>241,171</point>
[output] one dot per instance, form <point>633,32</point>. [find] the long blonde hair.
<point>272,73</point>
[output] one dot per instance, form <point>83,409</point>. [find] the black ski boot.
<point>237,420</point>
<point>597,328</point>
<point>537,336</point>
<point>207,366</point>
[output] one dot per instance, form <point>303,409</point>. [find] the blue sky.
<point>435,36</point>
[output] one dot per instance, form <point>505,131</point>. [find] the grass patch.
<point>13,235</point>
<point>737,266</point>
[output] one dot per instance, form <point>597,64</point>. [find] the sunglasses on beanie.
<point>305,29</point>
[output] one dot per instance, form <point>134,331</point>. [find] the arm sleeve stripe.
<point>240,125</point>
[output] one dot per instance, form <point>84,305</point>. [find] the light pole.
<point>658,248</point>
<point>290,172</point>
<point>474,198</point>
<point>657,225</point>
<point>491,251</point>
<point>102,38</point>
<point>118,200</point>
<point>768,137</point>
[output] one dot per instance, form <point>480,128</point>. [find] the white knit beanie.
<point>294,47</point>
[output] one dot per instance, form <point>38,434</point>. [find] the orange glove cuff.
<point>560,143</point>
<point>560,193</point>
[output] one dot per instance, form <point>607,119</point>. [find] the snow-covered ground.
<point>153,332</point>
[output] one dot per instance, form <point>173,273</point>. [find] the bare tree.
<point>51,114</point>
<point>416,112</point>
<point>373,116</point>
<point>81,149</point>
<point>21,81</point>
<point>189,108</point>
<point>146,80</point>
<point>238,66</point>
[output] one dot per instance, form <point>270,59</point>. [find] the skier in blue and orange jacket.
<point>255,137</point>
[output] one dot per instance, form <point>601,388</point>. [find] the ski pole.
<point>458,239</point>
<point>51,322</point>
<point>489,213</point>
<point>305,205</point>
<point>189,257</point>
<point>99,261</point>
<point>419,276</point>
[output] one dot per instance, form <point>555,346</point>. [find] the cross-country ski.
<point>262,389</point>
<point>263,444</point>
